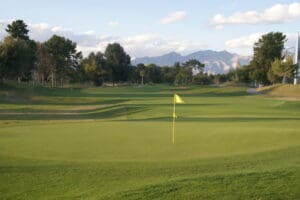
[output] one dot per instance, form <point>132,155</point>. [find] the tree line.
<point>57,61</point>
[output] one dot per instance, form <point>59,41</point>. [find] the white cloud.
<point>154,45</point>
<point>278,13</point>
<point>4,22</point>
<point>173,17</point>
<point>142,45</point>
<point>57,29</point>
<point>3,25</point>
<point>147,44</point>
<point>244,41</point>
<point>247,42</point>
<point>113,23</point>
<point>90,32</point>
<point>40,26</point>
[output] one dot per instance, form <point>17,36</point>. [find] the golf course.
<point>116,143</point>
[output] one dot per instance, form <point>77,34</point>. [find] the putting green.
<point>144,141</point>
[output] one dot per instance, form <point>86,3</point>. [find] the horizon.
<point>196,51</point>
<point>231,26</point>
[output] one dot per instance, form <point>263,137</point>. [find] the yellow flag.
<point>178,99</point>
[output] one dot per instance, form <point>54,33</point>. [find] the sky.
<point>156,27</point>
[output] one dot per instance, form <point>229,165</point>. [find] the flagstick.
<point>174,116</point>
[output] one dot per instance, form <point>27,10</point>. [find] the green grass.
<point>115,143</point>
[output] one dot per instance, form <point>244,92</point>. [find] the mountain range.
<point>216,62</point>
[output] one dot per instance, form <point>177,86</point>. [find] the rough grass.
<point>286,91</point>
<point>115,143</point>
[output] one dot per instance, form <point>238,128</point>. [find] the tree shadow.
<point>110,112</point>
<point>218,119</point>
<point>59,101</point>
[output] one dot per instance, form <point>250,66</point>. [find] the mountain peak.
<point>216,62</point>
<point>172,53</point>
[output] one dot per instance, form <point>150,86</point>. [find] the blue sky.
<point>157,26</point>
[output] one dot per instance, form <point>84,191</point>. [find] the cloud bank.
<point>173,17</point>
<point>247,42</point>
<point>146,44</point>
<point>279,13</point>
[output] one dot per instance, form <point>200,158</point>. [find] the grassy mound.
<point>282,90</point>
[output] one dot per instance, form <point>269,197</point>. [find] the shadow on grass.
<point>99,113</point>
<point>23,92</point>
<point>224,186</point>
<point>218,119</point>
<point>29,111</point>
<point>58,101</point>
<point>183,105</point>
<point>103,112</point>
<point>142,95</point>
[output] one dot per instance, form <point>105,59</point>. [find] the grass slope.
<point>115,143</point>
<point>292,91</point>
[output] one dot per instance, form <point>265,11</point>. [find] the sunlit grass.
<point>115,143</point>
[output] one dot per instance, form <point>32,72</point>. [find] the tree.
<point>283,69</point>
<point>272,77</point>
<point>266,50</point>
<point>240,74</point>
<point>17,58</point>
<point>118,62</point>
<point>66,58</point>
<point>133,76</point>
<point>141,70</point>
<point>202,79</point>
<point>196,65</point>
<point>94,67</point>
<point>168,74</point>
<point>243,74</point>
<point>18,29</point>
<point>184,74</point>
<point>2,62</point>
<point>219,78</point>
<point>17,52</point>
<point>153,73</point>
<point>45,65</point>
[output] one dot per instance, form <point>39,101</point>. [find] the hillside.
<point>216,62</point>
<point>288,91</point>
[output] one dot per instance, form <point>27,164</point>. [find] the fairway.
<point>116,143</point>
